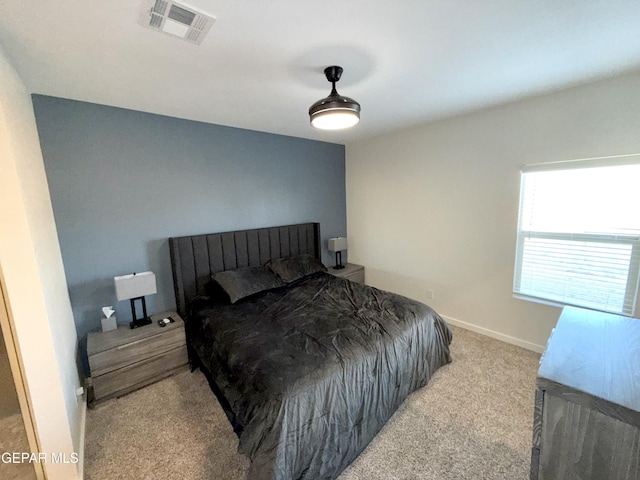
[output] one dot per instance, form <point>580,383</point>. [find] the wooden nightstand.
<point>351,271</point>
<point>124,360</point>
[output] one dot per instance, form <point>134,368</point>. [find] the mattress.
<point>312,371</point>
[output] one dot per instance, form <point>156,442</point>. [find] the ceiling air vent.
<point>177,19</point>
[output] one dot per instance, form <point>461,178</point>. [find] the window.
<point>579,233</point>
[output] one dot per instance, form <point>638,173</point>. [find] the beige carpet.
<point>13,438</point>
<point>473,421</point>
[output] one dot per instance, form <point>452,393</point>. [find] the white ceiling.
<point>261,65</point>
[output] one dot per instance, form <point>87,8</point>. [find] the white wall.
<point>33,275</point>
<point>435,206</point>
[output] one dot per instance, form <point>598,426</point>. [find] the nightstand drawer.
<point>130,353</point>
<point>139,374</point>
<point>357,276</point>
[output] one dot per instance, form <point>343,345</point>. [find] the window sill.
<point>551,303</point>
<point>542,301</point>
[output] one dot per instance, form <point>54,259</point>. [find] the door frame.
<point>17,369</point>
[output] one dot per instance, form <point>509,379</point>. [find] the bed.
<point>310,369</point>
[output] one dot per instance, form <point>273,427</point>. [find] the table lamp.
<point>134,287</point>
<point>338,244</point>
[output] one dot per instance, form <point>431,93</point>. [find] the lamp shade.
<point>337,244</point>
<point>135,285</point>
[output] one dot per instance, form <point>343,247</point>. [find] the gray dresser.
<point>587,402</point>
<point>124,360</point>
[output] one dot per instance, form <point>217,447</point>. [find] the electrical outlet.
<point>429,294</point>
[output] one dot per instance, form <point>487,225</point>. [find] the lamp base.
<point>338,267</point>
<point>140,323</point>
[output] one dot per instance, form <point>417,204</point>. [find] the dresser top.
<point>596,353</point>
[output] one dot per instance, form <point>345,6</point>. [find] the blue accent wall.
<point>123,181</point>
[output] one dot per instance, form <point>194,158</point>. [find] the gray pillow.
<point>293,268</point>
<point>243,282</point>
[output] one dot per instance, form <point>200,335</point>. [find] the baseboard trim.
<point>83,424</point>
<point>493,334</point>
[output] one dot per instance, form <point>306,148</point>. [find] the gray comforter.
<point>313,371</point>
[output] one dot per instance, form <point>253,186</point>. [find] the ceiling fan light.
<point>335,119</point>
<point>335,111</point>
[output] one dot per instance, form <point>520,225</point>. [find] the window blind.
<point>579,234</point>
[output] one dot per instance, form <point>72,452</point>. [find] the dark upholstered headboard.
<point>195,258</point>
